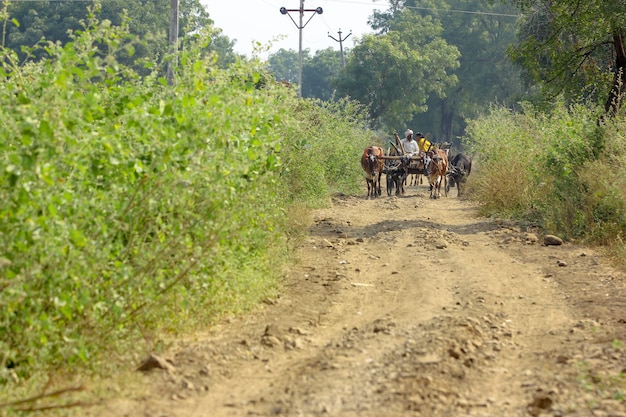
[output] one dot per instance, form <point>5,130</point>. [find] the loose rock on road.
<point>409,307</point>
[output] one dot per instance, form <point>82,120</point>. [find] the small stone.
<point>531,238</point>
<point>270,341</point>
<point>552,240</point>
<point>155,362</point>
<point>562,359</point>
<point>428,359</point>
<point>441,244</point>
<point>541,402</point>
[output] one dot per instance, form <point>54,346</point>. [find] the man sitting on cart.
<point>409,144</point>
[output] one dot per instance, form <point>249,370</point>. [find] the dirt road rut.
<point>407,306</point>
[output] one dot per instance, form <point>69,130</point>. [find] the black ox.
<point>396,172</point>
<point>458,171</point>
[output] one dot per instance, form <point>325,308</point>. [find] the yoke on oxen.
<point>396,168</point>
<point>399,165</point>
<point>416,162</point>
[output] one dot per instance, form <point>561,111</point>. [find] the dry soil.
<point>408,306</point>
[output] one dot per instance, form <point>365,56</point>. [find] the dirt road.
<point>410,307</point>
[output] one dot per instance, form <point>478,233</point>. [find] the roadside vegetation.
<point>559,163</point>
<point>558,170</point>
<point>133,209</point>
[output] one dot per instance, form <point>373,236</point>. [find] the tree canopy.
<point>481,31</point>
<point>320,73</point>
<point>574,48</point>
<point>394,73</point>
<point>53,21</point>
<point>284,64</point>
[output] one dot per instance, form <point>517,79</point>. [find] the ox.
<point>396,170</point>
<point>458,171</point>
<point>436,167</point>
<point>396,173</point>
<point>373,162</point>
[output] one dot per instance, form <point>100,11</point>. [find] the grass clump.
<point>560,171</point>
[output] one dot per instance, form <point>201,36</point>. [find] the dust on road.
<point>407,306</point>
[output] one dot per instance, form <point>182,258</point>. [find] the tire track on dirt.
<point>398,307</point>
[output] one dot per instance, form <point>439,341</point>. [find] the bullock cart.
<point>416,163</point>
<point>398,166</point>
<point>395,157</point>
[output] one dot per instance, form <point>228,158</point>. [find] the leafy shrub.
<point>324,153</point>
<point>560,170</point>
<point>132,207</point>
<point>505,148</point>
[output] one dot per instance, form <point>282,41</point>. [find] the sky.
<point>248,21</point>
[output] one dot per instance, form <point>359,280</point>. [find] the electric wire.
<point>369,4</point>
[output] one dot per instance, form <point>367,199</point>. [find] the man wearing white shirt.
<point>409,144</point>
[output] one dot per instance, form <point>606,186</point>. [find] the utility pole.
<point>301,10</point>
<point>173,41</point>
<point>343,61</point>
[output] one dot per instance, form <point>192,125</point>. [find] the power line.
<point>432,9</point>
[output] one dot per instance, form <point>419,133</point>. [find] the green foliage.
<point>486,74</point>
<point>54,21</point>
<point>132,207</point>
<point>504,146</point>
<point>568,47</point>
<point>284,64</point>
<point>481,31</point>
<point>324,154</point>
<point>319,74</point>
<point>394,74</point>
<point>425,66</point>
<point>559,170</point>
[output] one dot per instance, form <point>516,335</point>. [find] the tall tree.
<point>284,64</point>
<point>319,73</point>
<point>148,20</point>
<point>394,73</point>
<point>575,48</point>
<point>483,32</point>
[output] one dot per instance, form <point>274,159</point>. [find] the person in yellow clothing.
<point>424,146</point>
<point>422,143</point>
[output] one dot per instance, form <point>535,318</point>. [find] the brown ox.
<point>373,162</point>
<point>436,162</point>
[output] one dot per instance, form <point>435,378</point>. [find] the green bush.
<point>561,170</point>
<point>131,207</point>
<point>505,147</point>
<point>324,152</point>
